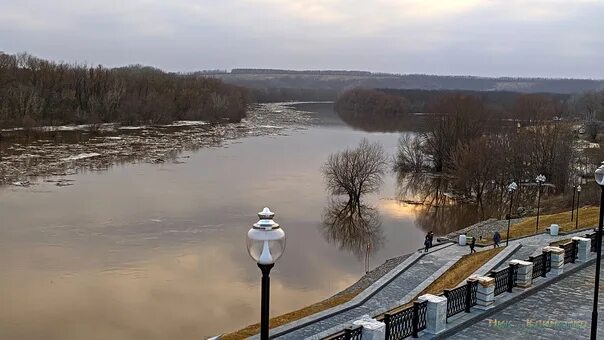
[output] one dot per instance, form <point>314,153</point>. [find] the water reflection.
<point>354,228</point>
<point>439,210</point>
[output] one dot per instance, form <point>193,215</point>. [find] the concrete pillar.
<point>584,245</point>
<point>525,273</point>
<point>436,313</point>
<point>557,259</point>
<point>485,292</point>
<point>372,329</point>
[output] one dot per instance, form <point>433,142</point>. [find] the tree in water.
<point>355,172</point>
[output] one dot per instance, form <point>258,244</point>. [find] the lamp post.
<point>572,210</point>
<point>511,188</point>
<point>540,180</point>
<point>594,314</point>
<point>265,244</point>
<point>577,219</point>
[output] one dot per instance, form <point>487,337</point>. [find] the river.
<point>157,251</point>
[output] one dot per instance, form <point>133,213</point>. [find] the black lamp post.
<point>540,180</point>
<point>594,314</point>
<point>577,219</point>
<point>572,210</point>
<point>511,188</point>
<point>265,244</point>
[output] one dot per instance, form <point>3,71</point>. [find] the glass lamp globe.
<point>600,175</point>
<point>579,188</point>
<point>266,239</point>
<point>512,187</point>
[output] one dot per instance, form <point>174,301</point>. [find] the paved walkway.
<point>559,311</point>
<point>532,245</point>
<point>387,297</point>
<point>404,287</point>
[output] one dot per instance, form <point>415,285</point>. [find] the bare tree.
<point>355,172</point>
<point>410,156</point>
<point>460,119</point>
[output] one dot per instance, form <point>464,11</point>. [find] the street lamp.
<point>577,219</point>
<point>594,314</point>
<point>572,210</point>
<point>540,180</point>
<point>265,244</point>
<point>511,188</point>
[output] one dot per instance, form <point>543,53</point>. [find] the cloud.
<point>498,37</point>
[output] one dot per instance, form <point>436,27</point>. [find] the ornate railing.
<point>351,333</point>
<point>547,261</point>
<point>399,325</point>
<point>461,298</point>
<point>538,265</point>
<point>407,322</point>
<point>594,239</point>
<point>505,279</point>
<point>570,251</point>
<point>422,313</point>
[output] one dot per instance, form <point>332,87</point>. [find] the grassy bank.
<point>588,217</point>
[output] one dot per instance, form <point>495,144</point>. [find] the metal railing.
<point>407,322</point>
<point>461,298</point>
<point>505,279</point>
<point>351,333</point>
<point>570,251</point>
<point>540,264</point>
<point>594,239</point>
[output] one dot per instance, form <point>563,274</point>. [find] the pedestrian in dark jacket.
<point>430,238</point>
<point>496,239</point>
<point>472,245</point>
<point>426,244</point>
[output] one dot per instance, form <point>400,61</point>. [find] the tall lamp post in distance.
<point>540,180</point>
<point>572,210</point>
<point>511,188</point>
<point>594,314</point>
<point>265,244</point>
<point>577,218</point>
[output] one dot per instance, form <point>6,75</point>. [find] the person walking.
<point>472,245</point>
<point>430,238</point>
<point>496,239</point>
<point>426,244</point>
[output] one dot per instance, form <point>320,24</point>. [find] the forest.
<point>36,92</point>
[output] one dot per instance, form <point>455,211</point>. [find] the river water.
<point>157,251</point>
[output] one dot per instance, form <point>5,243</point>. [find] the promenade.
<point>402,284</point>
<point>561,310</point>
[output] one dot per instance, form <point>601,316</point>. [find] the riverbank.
<point>27,156</point>
<point>525,226</point>
<point>453,273</point>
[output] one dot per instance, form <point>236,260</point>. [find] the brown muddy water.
<point>157,251</point>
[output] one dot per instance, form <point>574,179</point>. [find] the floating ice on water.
<point>81,156</point>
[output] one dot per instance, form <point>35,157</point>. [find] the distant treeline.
<point>39,92</point>
<point>310,72</point>
<point>343,80</point>
<point>500,104</point>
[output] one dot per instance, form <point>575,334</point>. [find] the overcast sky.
<point>549,38</point>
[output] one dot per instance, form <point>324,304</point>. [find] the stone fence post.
<point>584,247</point>
<point>525,273</point>
<point>557,259</point>
<point>436,313</point>
<point>485,293</point>
<point>372,329</point>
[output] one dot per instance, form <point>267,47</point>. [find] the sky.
<point>544,38</point>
